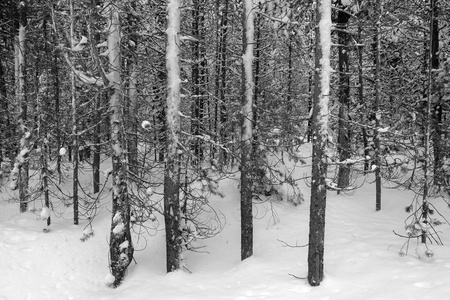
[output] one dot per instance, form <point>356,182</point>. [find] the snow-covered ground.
<point>362,258</point>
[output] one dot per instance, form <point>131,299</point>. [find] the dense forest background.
<point>180,94</point>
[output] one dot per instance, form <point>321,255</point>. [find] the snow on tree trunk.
<point>20,171</point>
<point>320,131</point>
<point>247,132</point>
<point>172,167</point>
<point>121,247</point>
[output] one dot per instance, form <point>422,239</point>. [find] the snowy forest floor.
<point>362,258</point>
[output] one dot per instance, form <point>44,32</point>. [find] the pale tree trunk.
<point>75,161</point>
<point>320,137</point>
<point>377,156</point>
<point>247,132</point>
<point>172,215</point>
<point>132,65</point>
<point>121,246</point>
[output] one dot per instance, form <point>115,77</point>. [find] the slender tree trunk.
<point>172,215</point>
<point>377,156</point>
<point>132,64</point>
<point>344,97</point>
<point>56,93</point>
<point>433,62</point>
<point>221,80</point>
<point>75,161</point>
<point>198,78</point>
<point>361,99</point>
<point>22,158</point>
<point>121,246</point>
<point>43,126</point>
<point>438,110</point>
<point>247,132</point>
<point>320,137</point>
<point>4,124</point>
<point>96,158</point>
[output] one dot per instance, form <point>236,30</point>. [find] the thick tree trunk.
<point>344,98</point>
<point>247,132</point>
<point>320,137</point>
<point>121,246</point>
<point>172,215</point>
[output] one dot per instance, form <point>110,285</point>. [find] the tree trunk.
<point>198,79</point>
<point>438,111</point>
<point>75,145</point>
<point>172,215</point>
<point>344,97</point>
<point>361,99</point>
<point>121,246</point>
<point>221,80</point>
<point>247,132</point>
<point>377,156</point>
<point>132,64</point>
<point>320,137</point>
<point>433,62</point>
<point>22,157</point>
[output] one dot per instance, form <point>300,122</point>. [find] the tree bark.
<point>377,156</point>
<point>121,247</point>
<point>221,80</point>
<point>75,145</point>
<point>198,79</point>
<point>247,132</point>
<point>344,97</point>
<point>172,215</point>
<point>438,110</point>
<point>320,137</point>
<point>22,157</point>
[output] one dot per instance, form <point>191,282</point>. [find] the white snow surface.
<point>362,258</point>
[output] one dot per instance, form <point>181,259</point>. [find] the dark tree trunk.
<point>344,97</point>
<point>221,79</point>
<point>438,111</point>
<point>377,156</point>
<point>361,99</point>
<point>75,145</point>
<point>199,78</point>
<point>96,158</point>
